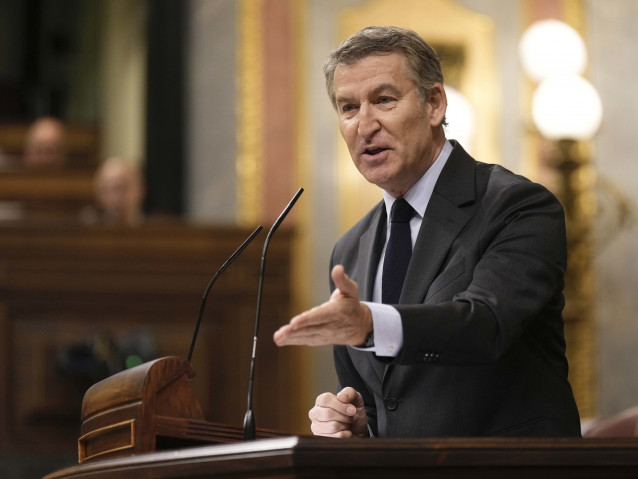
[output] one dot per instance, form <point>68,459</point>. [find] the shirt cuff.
<point>388,330</point>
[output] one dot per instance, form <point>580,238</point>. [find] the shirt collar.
<point>419,195</point>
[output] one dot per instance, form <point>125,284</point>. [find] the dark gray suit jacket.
<point>481,309</point>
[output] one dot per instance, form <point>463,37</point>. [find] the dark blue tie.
<point>398,252</point>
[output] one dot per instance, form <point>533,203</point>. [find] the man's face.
<point>386,125</point>
<point>45,148</point>
<point>118,192</point>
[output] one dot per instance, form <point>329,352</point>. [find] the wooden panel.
<point>71,295</point>
<point>46,195</point>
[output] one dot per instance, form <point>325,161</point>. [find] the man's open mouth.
<point>374,151</point>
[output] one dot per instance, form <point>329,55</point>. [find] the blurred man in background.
<point>45,144</point>
<point>119,192</point>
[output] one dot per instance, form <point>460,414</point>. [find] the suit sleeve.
<point>512,260</point>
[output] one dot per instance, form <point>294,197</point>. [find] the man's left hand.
<point>341,320</point>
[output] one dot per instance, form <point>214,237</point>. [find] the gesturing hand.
<point>342,416</point>
<point>341,320</point>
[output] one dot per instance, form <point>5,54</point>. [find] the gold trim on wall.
<point>249,111</point>
<point>305,220</point>
<point>581,343</point>
<point>574,15</point>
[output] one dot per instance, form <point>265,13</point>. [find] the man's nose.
<point>368,121</point>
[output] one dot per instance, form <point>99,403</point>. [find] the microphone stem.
<point>249,418</point>
<point>212,281</point>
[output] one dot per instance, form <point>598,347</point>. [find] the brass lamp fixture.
<point>567,112</point>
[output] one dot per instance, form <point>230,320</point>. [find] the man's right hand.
<point>343,415</point>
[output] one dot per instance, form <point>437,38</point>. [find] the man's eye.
<point>385,99</point>
<point>347,108</point>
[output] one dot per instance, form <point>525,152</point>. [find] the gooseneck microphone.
<point>212,281</point>
<point>249,418</point>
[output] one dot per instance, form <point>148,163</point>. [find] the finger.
<point>309,336</point>
<point>326,415</point>
<point>329,400</point>
<point>327,315</point>
<point>304,340</point>
<point>287,336</point>
<point>344,283</point>
<point>336,411</point>
<point>306,323</point>
<point>313,317</point>
<point>338,330</point>
<point>351,396</point>
<point>281,335</point>
<point>330,430</point>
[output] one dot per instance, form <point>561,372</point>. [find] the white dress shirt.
<point>386,320</point>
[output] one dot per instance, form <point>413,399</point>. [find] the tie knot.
<point>401,212</point>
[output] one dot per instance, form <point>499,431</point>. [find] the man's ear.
<point>437,101</point>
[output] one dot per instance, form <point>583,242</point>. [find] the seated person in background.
<point>45,144</point>
<point>119,193</point>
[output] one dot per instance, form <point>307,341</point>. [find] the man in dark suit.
<point>469,340</point>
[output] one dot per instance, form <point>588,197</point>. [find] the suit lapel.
<point>370,247</point>
<point>443,221</point>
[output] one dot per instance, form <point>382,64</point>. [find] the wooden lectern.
<point>319,458</point>
<point>147,408</point>
<point>138,412</point>
<point>129,418</point>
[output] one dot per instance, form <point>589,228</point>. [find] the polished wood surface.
<point>309,457</point>
<point>67,292</point>
<point>124,412</point>
<point>147,408</point>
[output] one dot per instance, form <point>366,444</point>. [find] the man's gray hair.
<point>423,63</point>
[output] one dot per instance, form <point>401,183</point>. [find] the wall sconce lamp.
<point>565,105</point>
<point>460,117</point>
<point>566,108</point>
<point>567,111</point>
